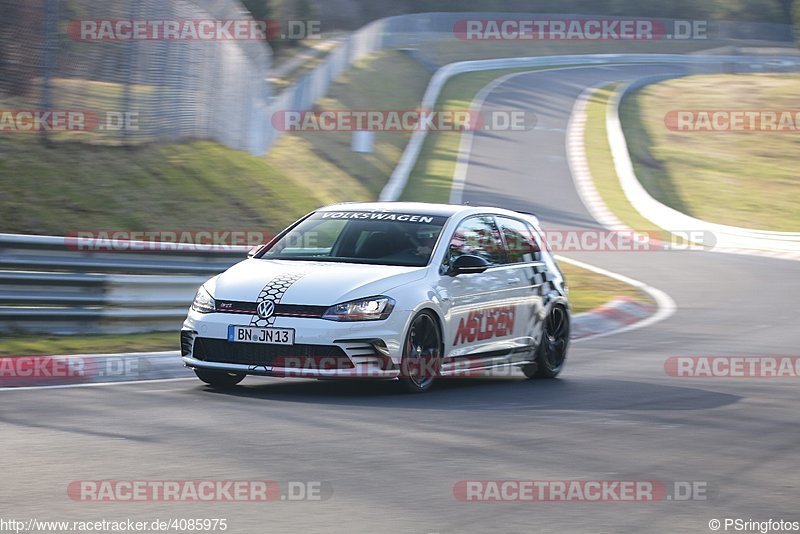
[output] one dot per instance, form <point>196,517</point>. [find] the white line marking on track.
<point>579,165</point>
<point>465,148</point>
<point>666,304</point>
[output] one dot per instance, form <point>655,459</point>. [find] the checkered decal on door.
<point>543,278</point>
<point>274,291</point>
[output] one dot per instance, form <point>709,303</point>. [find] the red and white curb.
<point>579,165</point>
<point>612,317</point>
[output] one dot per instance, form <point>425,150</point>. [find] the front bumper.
<point>323,349</point>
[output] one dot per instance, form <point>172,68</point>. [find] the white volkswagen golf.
<point>406,291</point>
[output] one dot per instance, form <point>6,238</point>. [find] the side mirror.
<point>253,251</point>
<point>468,264</point>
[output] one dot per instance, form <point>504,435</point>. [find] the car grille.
<point>304,356</point>
<point>298,310</point>
<point>281,310</point>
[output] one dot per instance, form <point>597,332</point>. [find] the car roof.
<point>418,208</point>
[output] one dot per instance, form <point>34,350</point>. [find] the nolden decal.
<point>485,324</point>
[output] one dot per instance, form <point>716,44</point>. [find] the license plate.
<point>255,334</point>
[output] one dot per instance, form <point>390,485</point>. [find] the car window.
<point>477,236</point>
<point>522,246</point>
<point>317,237</point>
<point>374,237</point>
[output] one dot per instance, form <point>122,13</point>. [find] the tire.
<point>219,379</point>
<point>422,353</point>
<point>551,353</point>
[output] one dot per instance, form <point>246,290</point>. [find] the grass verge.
<point>589,290</point>
<point>746,179</point>
<point>202,185</point>
<point>324,161</point>
<point>193,185</point>
<point>100,344</point>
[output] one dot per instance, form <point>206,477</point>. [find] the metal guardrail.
<point>51,253</point>
<point>130,291</point>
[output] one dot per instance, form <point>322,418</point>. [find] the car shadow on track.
<point>486,394</point>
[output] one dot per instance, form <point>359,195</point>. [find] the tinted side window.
<point>477,236</point>
<point>522,246</point>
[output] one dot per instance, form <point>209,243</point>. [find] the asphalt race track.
<point>392,460</point>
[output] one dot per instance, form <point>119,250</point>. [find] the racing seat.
<point>377,245</point>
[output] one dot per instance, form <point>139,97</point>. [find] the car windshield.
<point>374,237</point>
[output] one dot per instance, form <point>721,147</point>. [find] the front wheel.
<point>552,350</point>
<point>422,353</point>
<point>219,379</point>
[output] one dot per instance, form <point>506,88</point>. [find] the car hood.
<point>310,283</point>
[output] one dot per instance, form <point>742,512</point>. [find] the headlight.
<point>203,301</point>
<point>369,309</point>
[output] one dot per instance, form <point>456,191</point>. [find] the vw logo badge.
<point>265,309</point>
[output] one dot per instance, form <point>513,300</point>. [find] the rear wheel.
<point>219,379</point>
<point>422,353</point>
<point>552,350</point>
